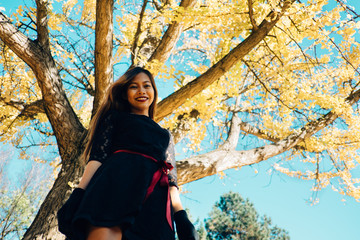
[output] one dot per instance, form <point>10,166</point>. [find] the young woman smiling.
<point>129,187</point>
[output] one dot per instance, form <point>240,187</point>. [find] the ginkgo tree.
<point>268,77</point>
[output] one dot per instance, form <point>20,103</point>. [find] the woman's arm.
<point>100,148</point>
<point>67,211</point>
<point>175,199</point>
<point>184,228</point>
<point>89,172</point>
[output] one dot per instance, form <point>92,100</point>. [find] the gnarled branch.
<point>222,159</point>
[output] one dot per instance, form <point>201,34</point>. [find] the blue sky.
<point>283,199</point>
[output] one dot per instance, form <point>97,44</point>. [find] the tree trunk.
<point>45,225</point>
<point>66,126</point>
<point>103,49</point>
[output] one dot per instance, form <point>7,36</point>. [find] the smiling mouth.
<point>141,99</point>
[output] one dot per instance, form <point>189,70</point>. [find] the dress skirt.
<point>115,197</point>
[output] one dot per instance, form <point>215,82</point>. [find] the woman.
<point>129,187</point>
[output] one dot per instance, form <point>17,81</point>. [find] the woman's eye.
<point>148,86</point>
<point>133,87</point>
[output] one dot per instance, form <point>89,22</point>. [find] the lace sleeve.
<point>101,148</point>
<point>170,158</point>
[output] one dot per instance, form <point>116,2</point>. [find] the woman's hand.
<point>184,228</point>
<point>66,213</point>
<point>89,172</point>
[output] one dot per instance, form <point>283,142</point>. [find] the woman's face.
<point>140,94</point>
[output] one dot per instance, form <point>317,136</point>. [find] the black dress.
<point>115,196</point>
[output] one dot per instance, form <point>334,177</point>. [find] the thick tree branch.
<point>63,119</point>
<point>27,110</point>
<point>68,130</point>
<point>234,131</point>
<point>171,36</point>
<point>103,49</point>
<point>30,110</point>
<point>21,45</point>
<point>42,24</point>
<point>222,159</point>
<point>167,106</point>
<point>247,128</point>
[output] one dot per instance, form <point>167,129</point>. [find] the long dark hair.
<point>116,99</point>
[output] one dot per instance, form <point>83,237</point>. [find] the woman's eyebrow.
<point>146,81</point>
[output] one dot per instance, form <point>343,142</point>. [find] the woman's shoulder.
<point>133,119</point>
<point>110,117</point>
<point>121,116</point>
<point>115,114</point>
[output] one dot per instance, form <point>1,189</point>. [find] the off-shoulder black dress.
<point>115,196</point>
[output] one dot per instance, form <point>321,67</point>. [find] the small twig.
<point>268,90</point>
<point>137,34</point>
<point>251,15</point>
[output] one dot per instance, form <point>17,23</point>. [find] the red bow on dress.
<point>160,175</point>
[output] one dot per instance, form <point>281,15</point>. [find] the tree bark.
<point>171,37</point>
<point>103,49</point>
<point>65,123</point>
<point>45,225</point>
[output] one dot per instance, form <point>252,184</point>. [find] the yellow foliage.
<point>221,175</point>
<point>55,22</point>
<point>306,67</point>
<point>88,13</point>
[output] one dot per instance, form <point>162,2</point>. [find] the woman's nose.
<point>141,90</point>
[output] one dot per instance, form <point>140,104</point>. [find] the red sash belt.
<point>160,175</point>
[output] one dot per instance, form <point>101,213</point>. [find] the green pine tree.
<point>236,218</point>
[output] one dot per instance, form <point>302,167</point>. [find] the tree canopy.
<point>251,80</point>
